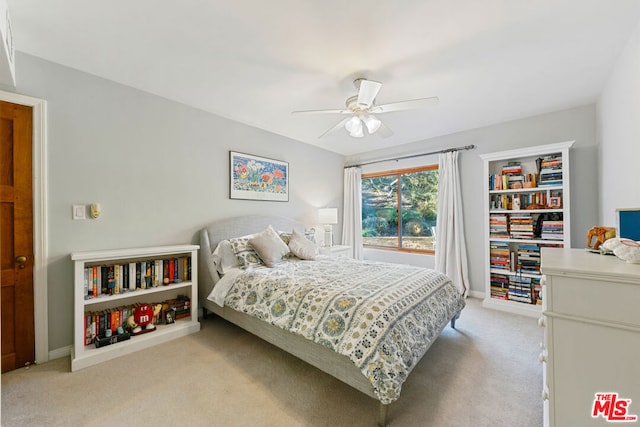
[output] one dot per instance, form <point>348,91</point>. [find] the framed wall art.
<point>258,178</point>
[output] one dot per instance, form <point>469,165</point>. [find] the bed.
<point>340,315</point>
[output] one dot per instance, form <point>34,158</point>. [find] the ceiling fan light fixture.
<point>372,123</point>
<point>358,133</point>
<point>360,107</point>
<point>353,125</point>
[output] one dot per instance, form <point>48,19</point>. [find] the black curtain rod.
<point>466,147</point>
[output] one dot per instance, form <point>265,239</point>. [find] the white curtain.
<point>352,216</point>
<point>451,251</point>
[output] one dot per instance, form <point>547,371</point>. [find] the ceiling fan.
<point>361,109</point>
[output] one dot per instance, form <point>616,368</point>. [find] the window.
<point>399,209</point>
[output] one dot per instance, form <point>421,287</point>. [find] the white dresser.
<point>591,316</point>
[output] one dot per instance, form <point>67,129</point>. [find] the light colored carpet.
<point>484,373</point>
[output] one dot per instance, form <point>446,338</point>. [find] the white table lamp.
<point>328,217</point>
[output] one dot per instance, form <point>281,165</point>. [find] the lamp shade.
<point>328,216</point>
<point>373,124</point>
<point>353,124</point>
<point>358,133</point>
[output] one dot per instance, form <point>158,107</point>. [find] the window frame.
<point>398,174</point>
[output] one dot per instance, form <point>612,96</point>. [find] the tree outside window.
<point>399,209</point>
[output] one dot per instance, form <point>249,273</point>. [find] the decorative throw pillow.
<point>269,246</point>
<point>309,234</point>
<point>302,247</point>
<point>245,254</point>
<point>285,236</point>
<point>224,258</point>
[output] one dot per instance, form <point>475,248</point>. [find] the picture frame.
<point>257,178</point>
<point>555,202</point>
<point>169,316</point>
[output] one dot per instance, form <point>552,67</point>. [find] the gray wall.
<point>158,168</point>
<point>577,124</point>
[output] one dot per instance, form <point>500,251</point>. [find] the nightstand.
<point>338,251</point>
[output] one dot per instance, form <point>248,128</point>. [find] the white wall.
<point>577,124</point>
<point>619,134</point>
<point>158,168</point>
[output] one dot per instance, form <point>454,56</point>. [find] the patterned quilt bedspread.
<point>382,316</point>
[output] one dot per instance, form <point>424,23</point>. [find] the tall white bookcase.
<point>527,206</point>
<point>87,355</point>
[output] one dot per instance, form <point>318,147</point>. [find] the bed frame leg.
<point>204,313</point>
<point>382,420</point>
<point>453,321</point>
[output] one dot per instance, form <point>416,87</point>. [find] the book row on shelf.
<point>518,288</point>
<point>525,227</point>
<point>119,278</point>
<point>523,259</point>
<point>515,271</point>
<point>510,182</point>
<point>538,200</point>
<point>119,321</point>
<point>512,177</point>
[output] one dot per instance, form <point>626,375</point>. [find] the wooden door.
<point>16,236</point>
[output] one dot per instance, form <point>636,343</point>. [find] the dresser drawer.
<point>594,299</point>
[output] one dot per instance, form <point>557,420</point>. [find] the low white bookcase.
<point>86,355</point>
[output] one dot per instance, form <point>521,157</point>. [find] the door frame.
<point>39,178</point>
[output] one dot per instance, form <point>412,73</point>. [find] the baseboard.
<point>60,352</point>
<point>476,294</point>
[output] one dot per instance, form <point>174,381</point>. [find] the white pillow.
<point>269,246</point>
<point>302,247</point>
<point>224,258</point>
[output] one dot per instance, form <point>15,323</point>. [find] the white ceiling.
<point>255,61</point>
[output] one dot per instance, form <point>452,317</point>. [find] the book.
<point>512,168</point>
<point>158,271</point>
<point>98,280</point>
<point>113,339</point>
<point>171,271</point>
<point>94,280</point>
<point>87,295</point>
<point>116,278</point>
<point>131,284</point>
<point>105,279</point>
<point>87,328</point>
<point>138,275</point>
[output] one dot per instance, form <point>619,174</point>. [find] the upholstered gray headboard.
<point>227,229</point>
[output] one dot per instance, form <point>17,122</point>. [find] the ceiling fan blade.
<point>323,112</point>
<point>384,131</point>
<point>368,92</point>
<point>339,125</point>
<point>405,105</point>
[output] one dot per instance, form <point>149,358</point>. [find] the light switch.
<point>79,212</point>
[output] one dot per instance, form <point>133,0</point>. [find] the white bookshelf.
<point>87,355</point>
<point>498,202</point>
